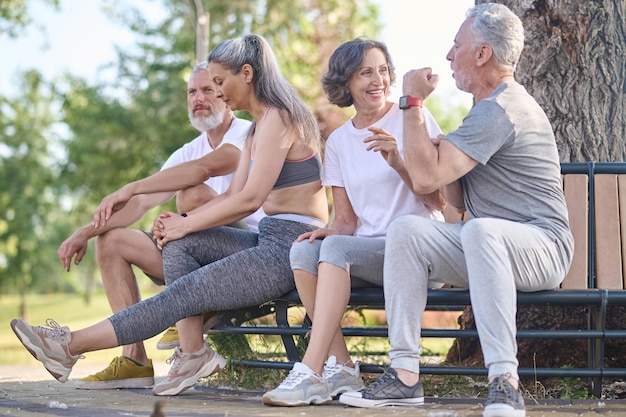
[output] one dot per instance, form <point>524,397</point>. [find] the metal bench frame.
<point>595,299</point>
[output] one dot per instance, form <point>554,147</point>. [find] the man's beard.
<point>206,123</point>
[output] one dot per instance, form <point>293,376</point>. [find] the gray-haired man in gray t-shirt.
<point>502,166</point>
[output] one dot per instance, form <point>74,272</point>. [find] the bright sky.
<point>80,39</point>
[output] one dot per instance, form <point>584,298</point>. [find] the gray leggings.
<point>361,257</point>
<point>216,269</point>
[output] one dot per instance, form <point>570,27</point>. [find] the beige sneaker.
<point>49,345</point>
<point>342,378</point>
<point>122,372</point>
<point>169,340</point>
<point>187,368</point>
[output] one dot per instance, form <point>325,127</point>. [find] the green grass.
<point>68,310</point>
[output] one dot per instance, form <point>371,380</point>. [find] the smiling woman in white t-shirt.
<point>370,186</point>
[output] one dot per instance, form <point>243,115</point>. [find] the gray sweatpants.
<point>215,269</point>
<point>491,257</point>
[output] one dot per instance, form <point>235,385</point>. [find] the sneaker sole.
<point>316,400</point>
<point>366,403</point>
<point>346,388</point>
<point>503,412</point>
<point>208,369</point>
<point>58,371</point>
<point>147,382</point>
<point>168,345</point>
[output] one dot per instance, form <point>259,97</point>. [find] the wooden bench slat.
<point>576,190</point>
<point>608,243</point>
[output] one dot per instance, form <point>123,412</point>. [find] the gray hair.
<point>201,66</point>
<point>344,63</point>
<point>270,87</point>
<point>497,26</point>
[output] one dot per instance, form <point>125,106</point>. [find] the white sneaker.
<point>301,387</point>
<point>49,345</point>
<point>341,378</point>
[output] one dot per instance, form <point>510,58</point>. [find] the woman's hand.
<point>110,204</point>
<point>315,234</point>
<point>167,227</point>
<point>385,143</point>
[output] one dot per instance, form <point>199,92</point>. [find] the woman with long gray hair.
<point>209,267</point>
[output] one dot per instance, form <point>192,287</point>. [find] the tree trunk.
<point>574,65</point>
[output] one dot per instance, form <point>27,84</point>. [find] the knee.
<point>304,255</point>
<point>476,231</point>
<point>193,197</point>
<point>108,243</point>
<point>405,228</point>
<point>174,248</point>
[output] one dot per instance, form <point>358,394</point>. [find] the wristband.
<point>410,101</point>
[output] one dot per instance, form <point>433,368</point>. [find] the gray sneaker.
<point>342,378</point>
<point>49,345</point>
<point>301,387</point>
<point>187,368</point>
<point>386,390</point>
<point>503,400</point>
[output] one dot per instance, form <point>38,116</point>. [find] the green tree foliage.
<point>124,130</point>
<point>448,115</point>
<point>14,16</point>
<point>27,199</point>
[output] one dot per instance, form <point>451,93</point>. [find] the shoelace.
<point>387,376</point>
<point>53,330</point>
<point>331,370</point>
<point>113,366</point>
<point>293,379</point>
<point>175,360</point>
<point>502,389</point>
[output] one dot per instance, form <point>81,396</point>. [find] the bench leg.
<point>596,346</point>
<point>282,308</point>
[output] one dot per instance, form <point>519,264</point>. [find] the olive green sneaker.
<point>169,340</point>
<point>122,372</point>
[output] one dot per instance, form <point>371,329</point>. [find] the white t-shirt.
<point>200,146</point>
<point>377,193</point>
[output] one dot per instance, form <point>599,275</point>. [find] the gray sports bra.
<point>299,172</point>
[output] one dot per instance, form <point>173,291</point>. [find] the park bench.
<point>596,200</point>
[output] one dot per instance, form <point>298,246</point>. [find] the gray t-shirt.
<point>518,177</point>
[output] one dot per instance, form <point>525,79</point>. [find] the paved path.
<point>32,393</point>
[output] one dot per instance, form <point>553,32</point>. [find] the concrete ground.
<point>29,391</point>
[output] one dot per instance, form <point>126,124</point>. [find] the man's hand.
<point>419,83</point>
<point>110,204</point>
<point>73,245</point>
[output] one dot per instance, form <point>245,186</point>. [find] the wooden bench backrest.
<point>609,238</point>
<point>608,269</point>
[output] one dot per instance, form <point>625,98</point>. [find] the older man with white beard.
<point>213,156</point>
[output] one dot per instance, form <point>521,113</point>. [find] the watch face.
<point>403,102</point>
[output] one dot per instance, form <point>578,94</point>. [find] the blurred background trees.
<point>66,143</point>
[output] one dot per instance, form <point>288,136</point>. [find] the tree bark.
<point>574,65</point>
